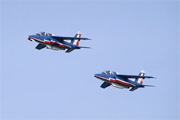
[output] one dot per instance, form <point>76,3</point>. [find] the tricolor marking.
<point>118,81</point>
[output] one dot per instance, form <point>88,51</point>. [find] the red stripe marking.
<point>63,46</point>
<point>101,78</point>
<point>51,43</point>
<point>77,43</point>
<point>47,42</point>
<point>116,81</point>
<point>122,83</point>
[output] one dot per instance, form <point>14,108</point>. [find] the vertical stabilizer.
<point>76,41</point>
<point>140,80</point>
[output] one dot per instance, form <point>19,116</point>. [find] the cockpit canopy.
<point>109,72</point>
<point>44,34</point>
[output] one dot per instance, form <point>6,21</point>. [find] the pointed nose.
<point>96,75</point>
<point>28,37</point>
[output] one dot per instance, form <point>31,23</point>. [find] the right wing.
<point>68,38</point>
<point>105,84</point>
<point>133,76</point>
<point>40,46</point>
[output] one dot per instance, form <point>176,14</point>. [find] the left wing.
<point>40,46</point>
<point>133,76</point>
<point>68,38</point>
<point>105,84</point>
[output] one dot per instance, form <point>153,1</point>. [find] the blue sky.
<point>127,37</point>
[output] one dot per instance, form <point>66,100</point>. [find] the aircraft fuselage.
<point>115,81</point>
<point>51,43</point>
<point>122,81</point>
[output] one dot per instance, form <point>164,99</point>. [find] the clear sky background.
<point>127,37</point>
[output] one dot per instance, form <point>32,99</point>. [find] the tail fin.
<point>76,41</point>
<point>140,80</point>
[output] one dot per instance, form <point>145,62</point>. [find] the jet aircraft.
<point>122,81</point>
<point>50,41</point>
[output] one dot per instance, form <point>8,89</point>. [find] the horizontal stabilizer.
<point>148,85</point>
<point>83,47</point>
<point>69,50</point>
<point>133,88</point>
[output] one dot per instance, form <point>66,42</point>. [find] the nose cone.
<point>96,75</point>
<point>28,37</point>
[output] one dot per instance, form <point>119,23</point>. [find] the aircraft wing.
<point>68,38</point>
<point>40,46</point>
<point>105,84</point>
<point>133,76</point>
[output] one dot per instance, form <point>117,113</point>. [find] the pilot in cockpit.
<point>44,34</point>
